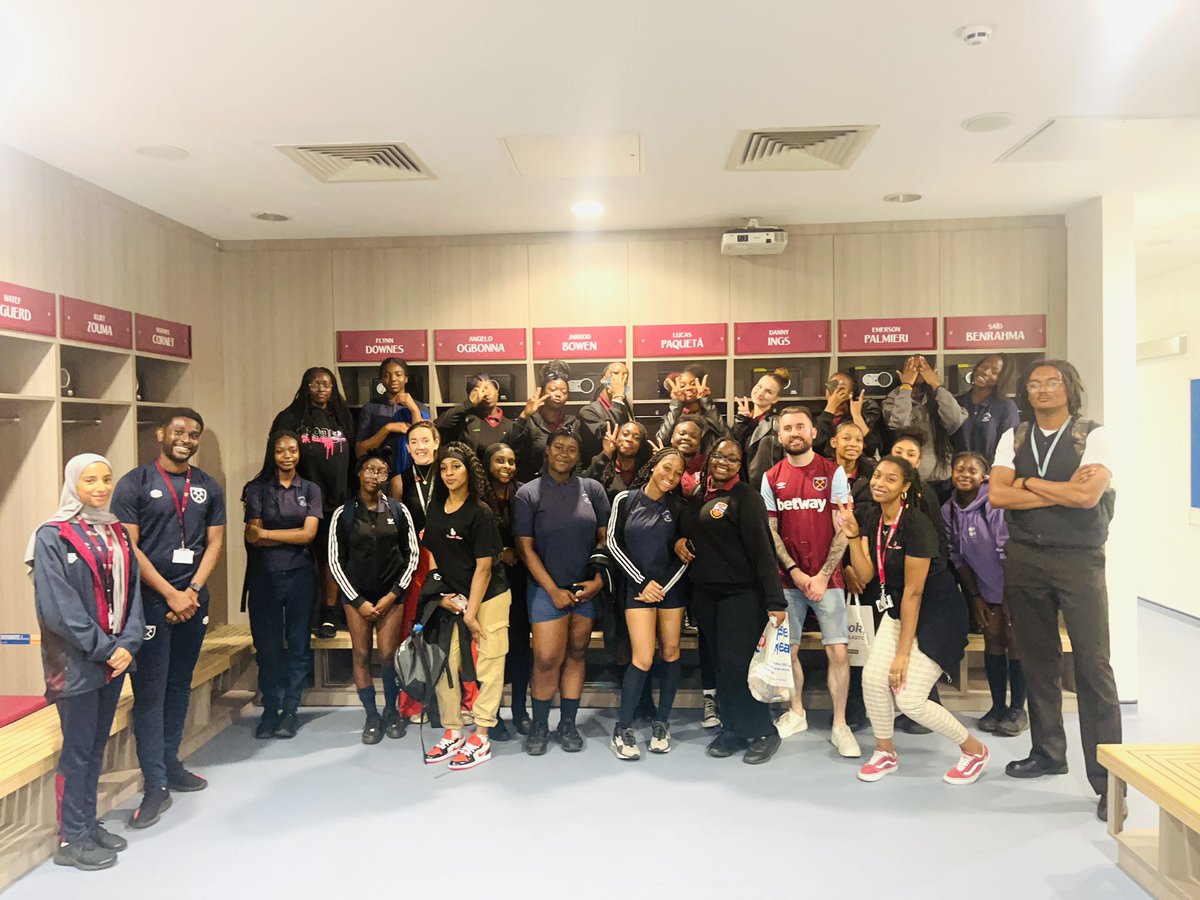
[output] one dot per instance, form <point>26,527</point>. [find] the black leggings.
<point>733,617</point>
<point>519,663</point>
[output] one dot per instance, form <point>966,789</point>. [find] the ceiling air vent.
<point>359,162</point>
<point>798,149</point>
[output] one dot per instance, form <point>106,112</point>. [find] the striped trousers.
<point>913,700</point>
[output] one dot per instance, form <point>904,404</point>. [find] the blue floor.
<point>322,815</point>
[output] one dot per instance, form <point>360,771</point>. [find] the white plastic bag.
<point>770,675</point>
<point>861,622</point>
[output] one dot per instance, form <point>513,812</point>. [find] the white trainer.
<point>791,723</point>
<point>624,744</point>
<point>843,739</point>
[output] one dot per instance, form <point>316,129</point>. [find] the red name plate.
<point>781,337</point>
<point>96,324</point>
<point>24,309</point>
<point>153,335</point>
<point>680,340</point>
<point>994,332</point>
<point>601,342</point>
<point>375,346</point>
<point>479,343</point>
<point>886,334</point>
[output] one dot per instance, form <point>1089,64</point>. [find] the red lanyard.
<point>881,546</point>
<point>180,506</point>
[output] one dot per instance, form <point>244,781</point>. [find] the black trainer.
<point>499,731</point>
<point>327,630</point>
<point>568,737</point>
<point>762,749</point>
<point>288,725</point>
<point>521,721</point>
<point>857,719</point>
<point>372,732</point>
<point>266,727</point>
<point>1102,809</point>
<point>184,782</point>
<point>394,725</point>
<point>538,739</point>
<point>106,840</point>
<point>154,803</point>
<point>1014,722</point>
<point>990,720</point>
<point>1034,766</point>
<point>725,744</point>
<point>908,726</point>
<point>85,854</point>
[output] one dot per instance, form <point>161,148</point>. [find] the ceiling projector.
<point>753,240</point>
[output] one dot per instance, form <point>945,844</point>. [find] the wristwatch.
<point>196,586</point>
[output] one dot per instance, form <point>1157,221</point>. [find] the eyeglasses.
<point>320,385</point>
<point>1052,385</point>
<point>377,472</point>
<point>732,460</point>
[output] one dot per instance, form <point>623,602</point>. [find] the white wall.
<point>1167,544</point>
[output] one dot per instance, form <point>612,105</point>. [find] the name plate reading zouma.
<point>479,343</point>
<point>651,341</point>
<point>600,342</point>
<point>994,332</point>
<point>24,309</point>
<point>781,337</point>
<point>886,335</point>
<point>92,323</point>
<point>376,346</point>
<point>160,336</point>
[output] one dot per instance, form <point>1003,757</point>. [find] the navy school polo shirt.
<point>281,508</point>
<point>141,499</point>
<point>562,520</point>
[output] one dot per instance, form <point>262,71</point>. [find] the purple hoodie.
<point>976,536</point>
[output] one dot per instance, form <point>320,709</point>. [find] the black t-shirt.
<point>324,453</point>
<point>915,536</point>
<point>459,538</point>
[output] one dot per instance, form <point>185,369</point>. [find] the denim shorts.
<point>542,608</point>
<point>830,612</point>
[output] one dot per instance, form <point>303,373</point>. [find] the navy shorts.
<point>542,608</point>
<point>673,600</point>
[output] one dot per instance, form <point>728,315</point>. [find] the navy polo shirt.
<point>141,499</point>
<point>280,508</point>
<point>562,520</point>
<point>375,415</point>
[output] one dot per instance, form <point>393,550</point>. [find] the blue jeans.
<point>279,606</point>
<point>162,685</point>
<point>86,719</point>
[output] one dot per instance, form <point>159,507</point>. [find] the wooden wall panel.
<point>485,286</point>
<point>677,281</point>
<point>885,274</point>
<point>381,288</point>
<point>986,271</point>
<point>797,284</point>
<point>567,277</point>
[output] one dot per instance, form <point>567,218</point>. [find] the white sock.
<point>711,692</point>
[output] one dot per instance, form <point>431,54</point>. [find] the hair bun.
<point>554,369</point>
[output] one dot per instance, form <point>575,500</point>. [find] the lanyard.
<point>1042,466</point>
<point>422,497</point>
<point>104,556</point>
<point>881,546</point>
<point>180,506</point>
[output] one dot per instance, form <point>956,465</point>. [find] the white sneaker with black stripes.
<point>624,744</point>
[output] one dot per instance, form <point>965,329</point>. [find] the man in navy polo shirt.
<point>175,514</point>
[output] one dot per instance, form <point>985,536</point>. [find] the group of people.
<point>511,539</point>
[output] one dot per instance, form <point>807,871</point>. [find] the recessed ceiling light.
<point>163,151</point>
<point>589,209</point>
<point>987,122</point>
<point>271,217</point>
<point>901,198</point>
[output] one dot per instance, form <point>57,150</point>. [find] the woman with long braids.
<point>625,451</point>
<point>373,549</point>
<point>921,402</point>
<point>894,552</point>
<point>383,423</point>
<point>471,597</point>
<point>479,421</point>
<point>319,416</point>
<point>500,463</point>
<point>643,528</point>
<point>89,605</point>
<point>282,514</point>
<point>543,416</point>
<point>735,590</point>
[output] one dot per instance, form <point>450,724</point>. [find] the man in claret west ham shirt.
<point>802,493</point>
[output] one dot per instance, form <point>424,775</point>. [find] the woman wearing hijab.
<point>543,416</point>
<point>89,606</point>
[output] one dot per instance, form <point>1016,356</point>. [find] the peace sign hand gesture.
<point>654,445</point>
<point>703,390</point>
<point>743,406</point>
<point>676,391</point>
<point>533,404</point>
<point>609,441</point>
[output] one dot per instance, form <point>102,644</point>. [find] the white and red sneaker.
<point>968,768</point>
<point>881,763</point>
<point>474,751</point>
<point>444,749</point>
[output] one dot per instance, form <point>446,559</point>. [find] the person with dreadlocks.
<point>479,421</point>
<point>923,634</point>
<point>544,415</point>
<point>319,417</point>
<point>642,530</point>
<point>470,619</point>
<point>625,451</point>
<point>990,409</point>
<point>558,519</point>
<point>921,402</point>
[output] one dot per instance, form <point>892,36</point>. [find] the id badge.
<point>183,556</point>
<point>884,603</point>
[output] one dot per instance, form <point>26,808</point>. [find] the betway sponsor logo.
<point>797,503</point>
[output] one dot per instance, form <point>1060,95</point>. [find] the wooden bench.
<point>969,690</point>
<point>1166,861</point>
<point>29,750</point>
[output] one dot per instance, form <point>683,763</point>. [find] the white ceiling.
<point>82,84</point>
